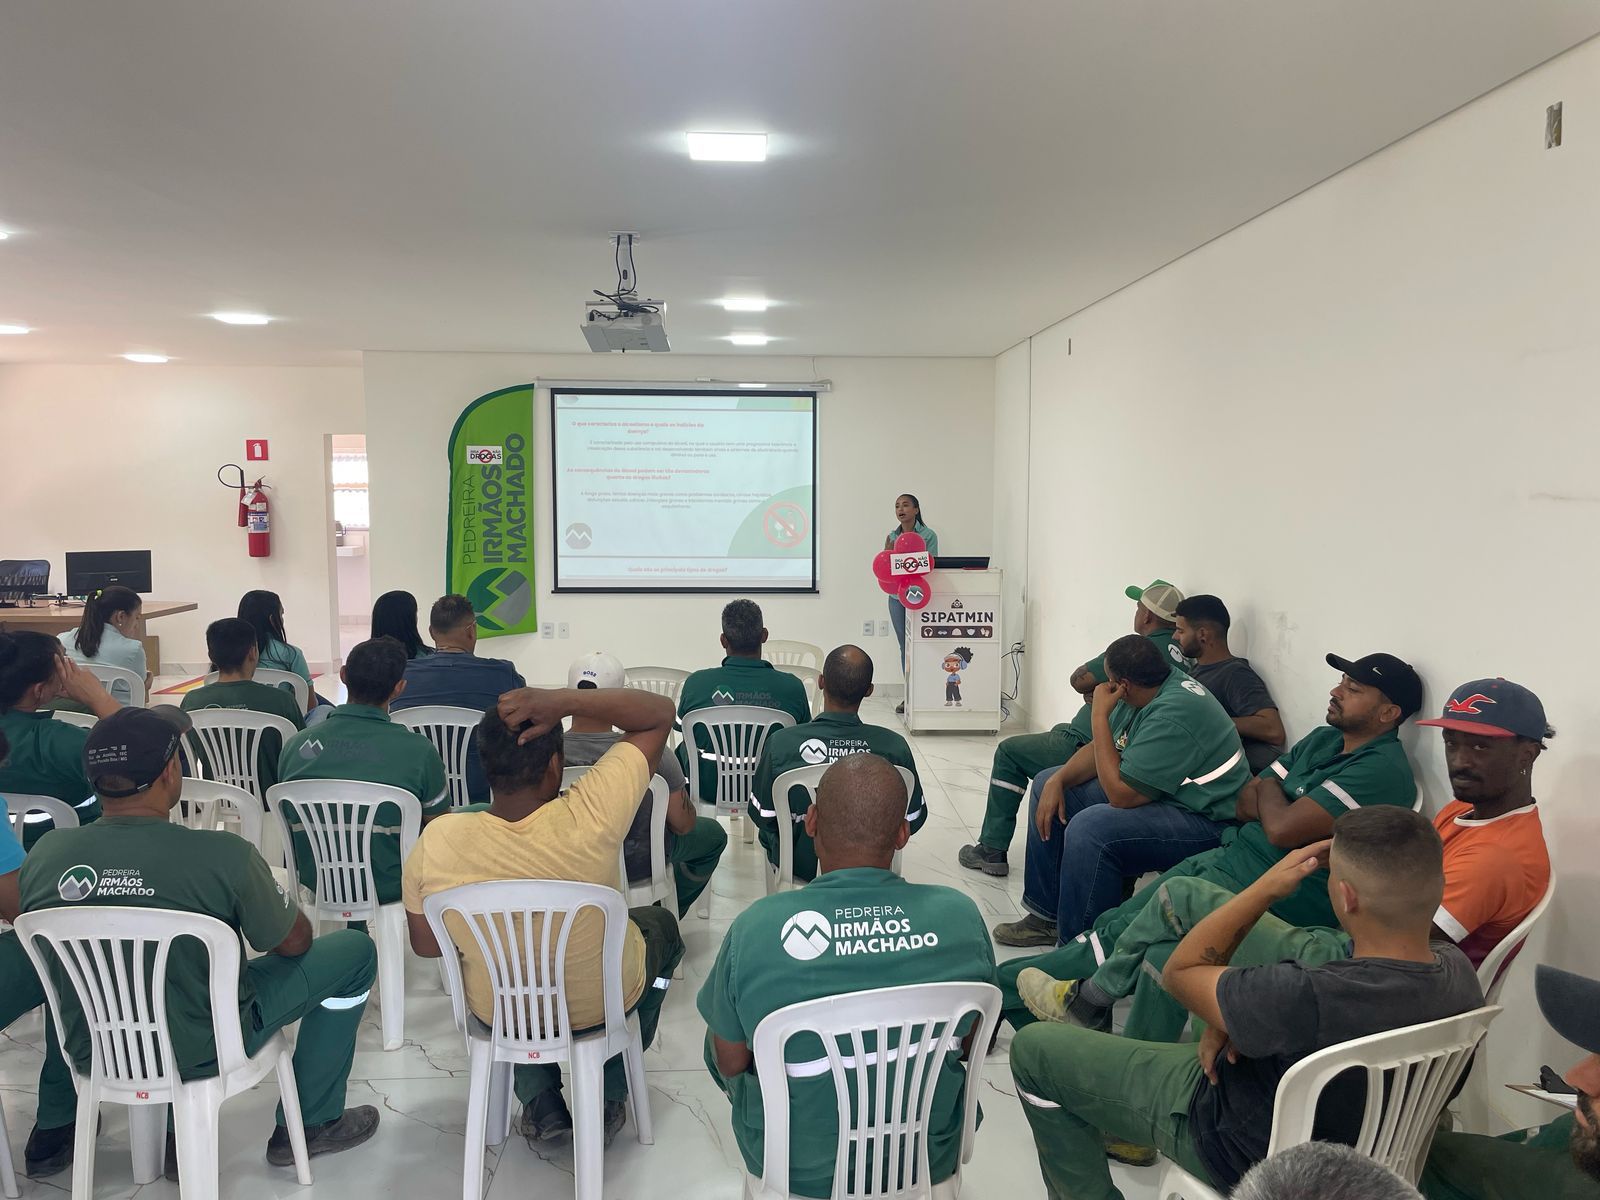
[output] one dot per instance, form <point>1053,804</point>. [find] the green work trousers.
<point>21,992</point>
<point>1016,761</point>
<point>694,857</point>
<point>1530,1164</point>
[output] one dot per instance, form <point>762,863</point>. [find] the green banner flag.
<point>489,546</point>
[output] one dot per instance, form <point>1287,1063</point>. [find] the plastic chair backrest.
<point>884,1091</point>
<point>339,818</point>
<point>273,677</point>
<point>656,887</point>
<point>20,804</point>
<point>1496,964</point>
<point>663,681</point>
<point>520,928</point>
<point>226,742</point>
<point>206,803</point>
<point>450,729</point>
<point>792,654</point>
<point>809,677</point>
<point>1411,1073</point>
<point>81,720</point>
<point>809,778</point>
<point>116,961</point>
<point>119,681</point>
<point>736,734</point>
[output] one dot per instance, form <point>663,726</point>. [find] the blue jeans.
<point>1076,874</point>
<point>897,618</point>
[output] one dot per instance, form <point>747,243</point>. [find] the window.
<point>350,491</point>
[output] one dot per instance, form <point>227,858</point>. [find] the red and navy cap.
<point>1493,708</point>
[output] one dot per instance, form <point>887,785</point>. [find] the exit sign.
<point>255,450</point>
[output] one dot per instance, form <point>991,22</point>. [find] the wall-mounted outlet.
<point>547,629</point>
<point>866,628</point>
<point>563,630</point>
<point>883,629</point>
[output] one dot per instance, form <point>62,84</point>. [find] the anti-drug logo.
<point>77,883</point>
<point>484,456</point>
<point>813,752</point>
<point>806,935</point>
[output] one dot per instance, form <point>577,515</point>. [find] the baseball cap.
<point>1493,708</point>
<point>1159,596</point>
<point>1571,1003</point>
<point>135,743</point>
<point>597,670</point>
<point>1392,676</point>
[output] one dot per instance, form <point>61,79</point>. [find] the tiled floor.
<point>422,1087</point>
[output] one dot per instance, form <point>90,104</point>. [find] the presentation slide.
<point>684,491</point>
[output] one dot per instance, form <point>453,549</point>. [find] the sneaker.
<point>1058,1000</point>
<point>978,857</point>
<point>616,1110</point>
<point>900,709</point>
<point>1030,931</point>
<point>344,1132</point>
<point>545,1118</point>
<point>1131,1153</point>
<point>49,1151</point>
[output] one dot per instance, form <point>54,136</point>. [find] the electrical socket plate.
<point>562,630</point>
<point>883,629</point>
<point>866,629</point>
<point>547,629</point>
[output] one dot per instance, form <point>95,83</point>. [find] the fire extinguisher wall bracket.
<point>244,508</point>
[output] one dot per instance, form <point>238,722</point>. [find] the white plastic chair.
<point>81,720</point>
<point>1410,1075</point>
<point>119,679</point>
<point>788,654</point>
<point>208,804</point>
<point>780,878</point>
<point>883,1119</point>
<point>116,960</point>
<point>226,743</point>
<point>663,681</point>
<point>339,817</point>
<point>8,1173</point>
<point>809,677</point>
<point>450,730</point>
<point>273,677</point>
<point>21,805</point>
<point>519,929</point>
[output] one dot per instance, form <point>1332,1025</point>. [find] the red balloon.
<point>909,543</point>
<point>890,586</point>
<point>914,591</point>
<point>881,567</point>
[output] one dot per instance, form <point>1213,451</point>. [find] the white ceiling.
<point>948,176</point>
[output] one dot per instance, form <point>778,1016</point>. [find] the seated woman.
<point>105,638</point>
<point>394,614</point>
<point>264,611</point>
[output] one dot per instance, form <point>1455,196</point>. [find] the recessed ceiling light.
<point>743,304</point>
<point>728,147</point>
<point>749,339</point>
<point>14,330</point>
<point>753,385</point>
<point>146,358</point>
<point>4,234</point>
<point>240,318</point>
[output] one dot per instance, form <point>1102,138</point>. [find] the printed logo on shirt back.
<point>1191,686</point>
<point>813,752</point>
<point>806,935</point>
<point>77,883</point>
<point>723,697</point>
<point>876,929</point>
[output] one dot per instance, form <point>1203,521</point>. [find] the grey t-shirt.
<point>1236,685</point>
<point>586,749</point>
<point>1276,1015</point>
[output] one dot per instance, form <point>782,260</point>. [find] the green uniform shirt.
<point>1183,747</point>
<point>739,680</point>
<point>1079,729</point>
<point>843,932</point>
<point>1161,637</point>
<point>254,697</point>
<point>833,735</point>
<point>1317,766</point>
<point>148,862</point>
<point>358,741</point>
<point>46,759</point>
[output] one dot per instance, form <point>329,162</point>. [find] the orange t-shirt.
<point>1495,871</point>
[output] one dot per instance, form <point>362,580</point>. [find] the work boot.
<point>1131,1153</point>
<point>616,1110</point>
<point>49,1151</point>
<point>1030,931</point>
<point>1059,1000</point>
<point>344,1132</point>
<point>546,1118</point>
<point>978,857</point>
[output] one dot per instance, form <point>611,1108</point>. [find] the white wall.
<point>125,457</point>
<point>1367,420</point>
<point>1012,382</point>
<point>888,426</point>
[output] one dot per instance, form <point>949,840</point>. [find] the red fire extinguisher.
<point>255,511</point>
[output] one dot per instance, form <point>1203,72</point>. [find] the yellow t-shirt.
<point>576,836</point>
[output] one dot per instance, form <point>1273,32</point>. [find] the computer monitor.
<point>23,578</point>
<point>955,562</point>
<point>90,570</point>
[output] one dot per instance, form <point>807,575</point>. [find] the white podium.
<point>954,648</point>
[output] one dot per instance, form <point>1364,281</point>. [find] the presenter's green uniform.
<point>846,931</point>
<point>148,862</point>
<point>832,736</point>
<point>1377,772</point>
<point>46,759</point>
<point>358,741</point>
<point>744,681</point>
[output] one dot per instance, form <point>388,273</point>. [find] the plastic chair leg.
<point>83,1141</point>
<point>502,1104</point>
<point>588,1118</point>
<point>388,931</point>
<point>195,1130</point>
<point>293,1119</point>
<point>638,1083</point>
<point>8,1173</point>
<point>480,1085</point>
<point>147,1138</point>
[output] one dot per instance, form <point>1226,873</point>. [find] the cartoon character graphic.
<point>957,661</point>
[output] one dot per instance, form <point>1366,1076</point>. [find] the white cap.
<point>597,669</point>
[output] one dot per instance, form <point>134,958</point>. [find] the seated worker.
<point>264,611</point>
<point>1496,869</point>
<point>234,652</point>
<point>454,674</point>
<point>837,732</point>
<point>106,637</point>
<point>394,614</point>
<point>532,830</point>
<point>1154,786</point>
<point>1202,635</point>
<point>1355,761</point>
<point>814,942</point>
<point>1025,756</point>
<point>1558,1161</point>
<point>1211,1111</point>
<point>132,759</point>
<point>743,678</point>
<point>46,756</point>
<point>358,741</point>
<point>694,843</point>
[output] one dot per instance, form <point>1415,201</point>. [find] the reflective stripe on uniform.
<point>1281,771</point>
<point>1037,1101</point>
<point>821,1066</point>
<point>1220,771</point>
<point>662,982</point>
<point>1010,787</point>
<point>1339,794</point>
<point>1092,940</point>
<point>340,1002</point>
<point>1449,924</point>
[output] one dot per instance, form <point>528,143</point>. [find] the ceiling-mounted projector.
<point>622,320</point>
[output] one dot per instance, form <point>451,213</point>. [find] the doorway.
<point>352,526</point>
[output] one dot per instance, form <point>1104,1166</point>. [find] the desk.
<point>56,619</point>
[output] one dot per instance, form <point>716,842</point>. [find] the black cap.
<point>1571,1003</point>
<point>1392,676</point>
<point>134,743</point>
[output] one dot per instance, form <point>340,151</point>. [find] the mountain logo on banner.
<point>501,596</point>
<point>579,536</point>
